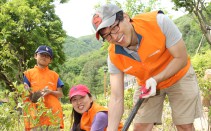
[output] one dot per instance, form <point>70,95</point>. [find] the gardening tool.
<point>134,111</point>
<point>132,114</point>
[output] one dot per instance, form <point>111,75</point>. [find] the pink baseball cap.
<point>80,89</point>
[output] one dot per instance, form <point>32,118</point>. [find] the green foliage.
<point>86,69</point>
<point>192,34</point>
<point>201,11</point>
<point>205,86</point>
<point>67,110</point>
<point>190,5</point>
<point>134,7</point>
<point>128,98</point>
<point>11,112</point>
<point>24,25</point>
<point>91,77</point>
<point>75,47</point>
<point>101,100</point>
<point>201,62</point>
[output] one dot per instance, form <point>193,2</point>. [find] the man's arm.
<point>179,53</point>
<point>116,104</point>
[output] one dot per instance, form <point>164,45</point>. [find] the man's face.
<point>120,33</point>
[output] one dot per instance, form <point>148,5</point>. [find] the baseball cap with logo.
<point>104,16</point>
<point>45,49</point>
<point>80,89</point>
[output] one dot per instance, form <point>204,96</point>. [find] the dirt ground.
<point>200,124</point>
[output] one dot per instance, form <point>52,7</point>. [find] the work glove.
<point>149,89</point>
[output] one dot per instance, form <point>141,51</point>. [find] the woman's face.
<point>81,103</point>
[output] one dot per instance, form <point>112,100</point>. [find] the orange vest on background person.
<point>39,79</point>
<point>88,117</point>
<point>152,51</point>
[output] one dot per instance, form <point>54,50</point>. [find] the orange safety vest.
<point>39,79</point>
<point>152,51</point>
<point>88,117</point>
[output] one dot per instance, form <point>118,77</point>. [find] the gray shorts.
<point>184,99</point>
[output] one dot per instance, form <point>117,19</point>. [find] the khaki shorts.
<point>184,100</point>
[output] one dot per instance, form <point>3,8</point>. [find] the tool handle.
<point>132,114</point>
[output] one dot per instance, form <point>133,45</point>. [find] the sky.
<point>76,15</point>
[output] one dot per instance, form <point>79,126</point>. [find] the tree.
<point>92,77</point>
<point>192,34</point>
<point>24,25</point>
<point>202,12</point>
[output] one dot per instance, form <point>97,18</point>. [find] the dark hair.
<point>76,119</point>
<point>119,16</point>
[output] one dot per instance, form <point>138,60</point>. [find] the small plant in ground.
<point>67,110</point>
<point>11,111</point>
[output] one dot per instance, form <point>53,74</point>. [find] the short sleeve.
<point>25,80</point>
<point>60,84</point>
<point>111,67</point>
<point>169,29</point>
<point>100,121</point>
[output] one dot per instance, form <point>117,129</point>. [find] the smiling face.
<point>120,33</point>
<point>81,103</point>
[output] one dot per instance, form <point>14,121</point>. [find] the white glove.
<point>149,89</point>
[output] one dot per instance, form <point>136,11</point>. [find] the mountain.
<point>74,47</point>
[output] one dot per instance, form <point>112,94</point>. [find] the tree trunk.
<point>204,25</point>
<point>9,84</point>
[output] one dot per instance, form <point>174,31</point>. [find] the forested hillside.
<point>192,34</point>
<point>75,47</point>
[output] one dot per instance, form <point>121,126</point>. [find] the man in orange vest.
<point>41,78</point>
<point>149,47</point>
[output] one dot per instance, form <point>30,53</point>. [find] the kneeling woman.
<point>87,115</point>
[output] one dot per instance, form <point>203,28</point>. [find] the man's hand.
<point>149,89</point>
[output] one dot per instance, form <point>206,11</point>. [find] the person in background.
<point>41,78</point>
<point>150,47</point>
<point>87,115</point>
